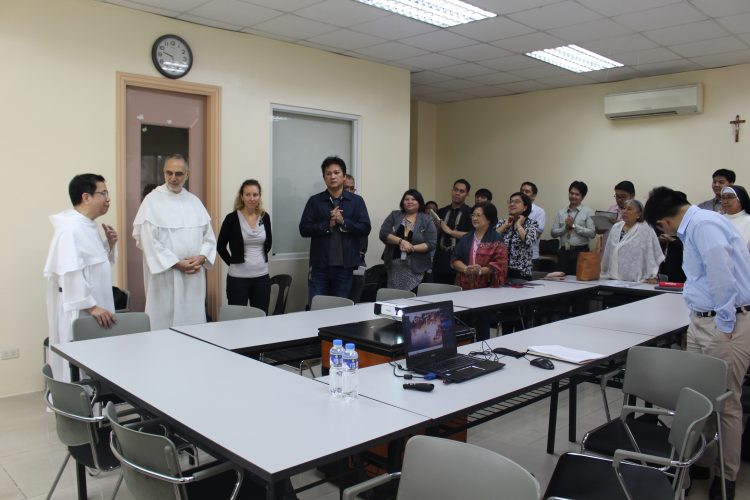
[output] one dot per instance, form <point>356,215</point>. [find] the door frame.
<point>212,94</point>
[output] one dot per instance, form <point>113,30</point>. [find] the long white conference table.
<point>239,408</point>
<point>269,421</point>
<point>257,335</point>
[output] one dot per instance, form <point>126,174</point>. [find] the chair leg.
<point>59,474</point>
<point>721,457</point>
<point>117,486</point>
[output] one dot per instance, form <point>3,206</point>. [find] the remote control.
<point>420,387</point>
<point>504,351</point>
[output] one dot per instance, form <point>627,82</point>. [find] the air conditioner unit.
<point>680,100</point>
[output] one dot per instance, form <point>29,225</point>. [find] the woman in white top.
<point>632,252</point>
<point>735,203</point>
<point>247,233</point>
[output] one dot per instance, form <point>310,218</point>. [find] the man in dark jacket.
<point>335,221</point>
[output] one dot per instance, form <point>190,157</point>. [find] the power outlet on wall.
<point>10,353</point>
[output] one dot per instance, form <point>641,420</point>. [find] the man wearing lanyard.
<point>455,222</point>
<point>717,292</point>
<point>575,227</point>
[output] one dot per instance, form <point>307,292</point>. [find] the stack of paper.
<point>564,353</point>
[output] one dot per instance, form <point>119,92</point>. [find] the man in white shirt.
<point>537,213</point>
<point>79,265</point>
<point>173,229</point>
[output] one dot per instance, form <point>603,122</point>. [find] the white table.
<point>269,332</point>
<point>653,316</point>
<point>509,296</point>
<point>269,421</point>
<point>518,376</point>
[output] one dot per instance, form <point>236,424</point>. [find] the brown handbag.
<point>589,264</point>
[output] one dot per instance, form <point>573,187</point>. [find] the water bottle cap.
<point>350,346</point>
<point>338,342</point>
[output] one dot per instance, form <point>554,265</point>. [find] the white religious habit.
<point>634,257</point>
<point>741,222</point>
<point>79,276</point>
<point>169,227</point>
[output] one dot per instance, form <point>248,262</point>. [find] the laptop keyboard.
<point>453,363</point>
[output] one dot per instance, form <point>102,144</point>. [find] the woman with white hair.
<point>632,252</point>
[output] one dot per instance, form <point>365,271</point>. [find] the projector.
<point>389,310</point>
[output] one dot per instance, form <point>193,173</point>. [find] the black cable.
<point>407,376</point>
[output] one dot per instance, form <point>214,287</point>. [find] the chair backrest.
<point>393,293</point>
<point>657,375</point>
<point>130,322</point>
<point>436,288</point>
<point>282,282</point>
<point>440,469</point>
<point>549,247</point>
<point>329,302</point>
<point>69,398</point>
<point>376,277</point>
<point>693,409</point>
<point>228,313</point>
<point>153,452</point>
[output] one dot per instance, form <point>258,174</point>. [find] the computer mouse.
<point>543,363</point>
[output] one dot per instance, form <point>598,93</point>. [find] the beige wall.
<point>554,137</point>
<point>58,86</point>
<point>423,149</point>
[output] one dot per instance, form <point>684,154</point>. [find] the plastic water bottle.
<point>336,367</point>
<point>351,377</point>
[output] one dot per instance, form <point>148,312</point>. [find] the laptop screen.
<point>429,328</point>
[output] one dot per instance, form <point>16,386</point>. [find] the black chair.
<point>376,277</point>
<point>587,477</point>
<point>283,282</point>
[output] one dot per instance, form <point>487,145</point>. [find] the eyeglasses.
<point>728,196</point>
<point>621,197</point>
<point>105,194</point>
<point>169,173</point>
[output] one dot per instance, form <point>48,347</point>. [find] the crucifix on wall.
<point>737,122</point>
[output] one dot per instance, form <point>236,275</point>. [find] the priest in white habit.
<point>79,265</point>
<point>173,229</point>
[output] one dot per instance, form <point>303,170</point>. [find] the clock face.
<point>172,56</point>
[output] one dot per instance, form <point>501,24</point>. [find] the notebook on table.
<point>430,341</point>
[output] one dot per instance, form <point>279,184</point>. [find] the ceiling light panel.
<point>443,13</point>
<point>574,58</point>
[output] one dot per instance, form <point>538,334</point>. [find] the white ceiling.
<point>485,58</point>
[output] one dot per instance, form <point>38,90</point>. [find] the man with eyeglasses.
<point>455,221</point>
<point>624,191</point>
<point>173,229</point>
<point>79,265</point>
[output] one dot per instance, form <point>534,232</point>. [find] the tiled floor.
<point>30,453</point>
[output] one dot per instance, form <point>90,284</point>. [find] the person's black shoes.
<point>698,472</point>
<point>714,493</point>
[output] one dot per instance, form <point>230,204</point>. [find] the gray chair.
<point>443,469</point>
<point>393,293</point>
<point>329,302</point>
<point>229,313</point>
<point>87,328</point>
<point>436,288</point>
<point>85,435</point>
<point>151,466</point>
<point>657,376</point>
<point>578,476</point>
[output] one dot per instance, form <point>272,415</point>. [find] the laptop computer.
<point>430,341</point>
